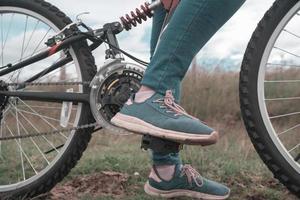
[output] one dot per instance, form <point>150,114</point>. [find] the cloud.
<point>102,12</point>
<point>231,39</point>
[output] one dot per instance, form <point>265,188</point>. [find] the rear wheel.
<point>29,167</point>
<point>269,91</point>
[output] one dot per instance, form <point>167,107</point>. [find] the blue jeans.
<point>191,27</point>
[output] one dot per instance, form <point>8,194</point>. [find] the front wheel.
<point>270,91</point>
<point>31,166</point>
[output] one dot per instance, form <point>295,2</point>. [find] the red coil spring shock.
<point>136,17</point>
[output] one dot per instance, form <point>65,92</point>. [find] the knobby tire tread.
<point>248,97</point>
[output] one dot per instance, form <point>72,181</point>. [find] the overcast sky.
<point>230,41</point>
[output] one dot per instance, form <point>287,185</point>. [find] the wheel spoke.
<point>38,131</point>
<point>41,41</point>
<point>283,99</point>
<point>2,40</point>
<point>282,65</point>
<point>291,33</point>
<point>21,154</point>
<point>23,33</point>
<point>6,38</point>
<point>283,81</point>
<point>1,134</point>
<point>43,118</point>
<point>24,38</point>
<point>21,55</point>
<point>285,115</point>
<point>44,107</point>
<point>280,81</point>
<point>33,141</point>
<point>288,52</point>
<point>21,149</point>
<point>294,148</point>
<point>32,33</point>
<point>288,130</point>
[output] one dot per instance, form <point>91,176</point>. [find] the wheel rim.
<point>14,109</point>
<point>273,77</point>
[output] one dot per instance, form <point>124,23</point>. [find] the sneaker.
<point>186,182</point>
<point>160,116</point>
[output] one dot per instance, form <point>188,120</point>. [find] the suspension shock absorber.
<point>137,17</point>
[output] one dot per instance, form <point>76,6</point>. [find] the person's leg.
<point>157,23</point>
<point>179,44</point>
<point>193,24</point>
<point>160,159</point>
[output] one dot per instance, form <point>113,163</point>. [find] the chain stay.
<point>81,127</point>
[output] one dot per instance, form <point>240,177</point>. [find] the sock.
<point>142,96</point>
<point>166,172</point>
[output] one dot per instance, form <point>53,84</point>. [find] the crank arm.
<point>57,97</point>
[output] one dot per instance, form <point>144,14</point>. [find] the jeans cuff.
<point>170,159</point>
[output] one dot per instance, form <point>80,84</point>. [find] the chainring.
<point>111,88</point>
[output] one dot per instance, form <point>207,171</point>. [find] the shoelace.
<point>192,175</point>
<point>169,102</point>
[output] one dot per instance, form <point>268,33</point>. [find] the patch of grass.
<point>232,161</point>
<point>212,96</point>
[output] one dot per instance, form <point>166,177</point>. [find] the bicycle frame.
<point>106,34</point>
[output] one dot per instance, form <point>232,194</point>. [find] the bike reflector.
<point>66,111</point>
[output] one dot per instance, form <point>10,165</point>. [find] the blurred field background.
<point>114,167</point>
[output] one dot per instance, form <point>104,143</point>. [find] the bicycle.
<point>49,112</point>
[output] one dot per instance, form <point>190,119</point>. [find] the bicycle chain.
<point>47,83</point>
<point>30,135</point>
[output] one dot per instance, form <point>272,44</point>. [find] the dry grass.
<point>213,97</point>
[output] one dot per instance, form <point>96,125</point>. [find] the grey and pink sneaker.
<point>186,182</point>
<point>160,116</point>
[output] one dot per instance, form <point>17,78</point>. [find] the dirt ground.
<point>106,183</point>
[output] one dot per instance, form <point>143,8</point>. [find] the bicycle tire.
<point>248,88</point>
<point>81,138</point>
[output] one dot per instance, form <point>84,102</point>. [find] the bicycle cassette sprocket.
<point>113,85</point>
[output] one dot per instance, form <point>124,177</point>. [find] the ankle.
<point>143,94</point>
<point>145,89</point>
<point>162,172</point>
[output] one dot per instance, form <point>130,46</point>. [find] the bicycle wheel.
<point>269,91</point>
<point>29,167</point>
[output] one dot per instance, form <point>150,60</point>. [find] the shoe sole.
<point>141,127</point>
<point>181,193</point>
